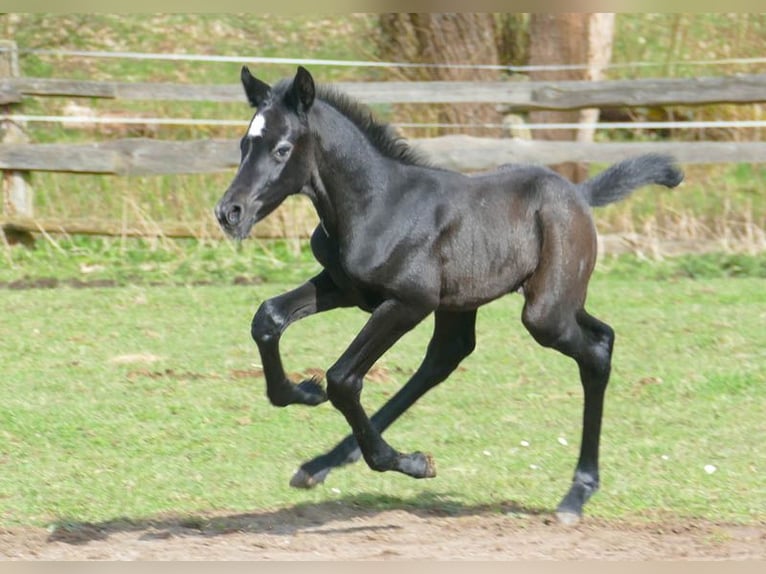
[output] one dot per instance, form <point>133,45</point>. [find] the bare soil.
<point>340,531</point>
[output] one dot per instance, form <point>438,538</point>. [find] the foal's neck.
<point>348,170</point>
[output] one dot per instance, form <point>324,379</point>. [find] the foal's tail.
<point>617,181</point>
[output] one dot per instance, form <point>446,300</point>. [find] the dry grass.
<point>722,206</point>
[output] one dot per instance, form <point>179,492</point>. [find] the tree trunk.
<point>464,38</point>
<point>578,38</point>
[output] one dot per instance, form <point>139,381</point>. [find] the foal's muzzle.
<point>228,214</point>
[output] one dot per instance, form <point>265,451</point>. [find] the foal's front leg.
<point>454,338</point>
<point>389,321</point>
<point>274,316</point>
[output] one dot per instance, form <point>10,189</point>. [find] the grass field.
<point>137,400</point>
<point>144,396</point>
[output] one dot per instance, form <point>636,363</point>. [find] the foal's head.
<point>276,152</point>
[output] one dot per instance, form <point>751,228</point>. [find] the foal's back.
<point>495,225</point>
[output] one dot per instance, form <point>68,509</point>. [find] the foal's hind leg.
<point>453,339</point>
<point>273,317</point>
<point>589,342</point>
<point>594,361</point>
<point>554,315</point>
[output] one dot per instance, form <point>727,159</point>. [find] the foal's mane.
<point>381,135</point>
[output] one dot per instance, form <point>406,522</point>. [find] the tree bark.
<point>450,39</point>
<point>577,38</point>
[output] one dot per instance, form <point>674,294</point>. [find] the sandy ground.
<point>335,531</point>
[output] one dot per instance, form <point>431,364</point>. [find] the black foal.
<point>402,239</point>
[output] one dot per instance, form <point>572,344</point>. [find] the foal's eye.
<point>283,150</point>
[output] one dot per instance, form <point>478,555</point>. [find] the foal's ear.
<point>301,93</point>
<point>257,92</point>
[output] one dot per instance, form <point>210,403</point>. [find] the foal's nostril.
<point>228,215</point>
<point>233,214</point>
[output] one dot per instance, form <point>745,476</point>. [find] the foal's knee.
<point>267,323</point>
<point>342,388</point>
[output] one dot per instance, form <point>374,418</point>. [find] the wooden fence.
<point>141,156</point>
<point>519,95</point>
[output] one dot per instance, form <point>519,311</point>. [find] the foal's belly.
<point>463,293</point>
<point>490,247</point>
<point>471,280</point>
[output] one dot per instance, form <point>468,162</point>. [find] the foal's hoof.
<point>310,392</point>
<point>569,511</point>
<point>417,465</point>
<point>567,518</point>
<point>304,479</point>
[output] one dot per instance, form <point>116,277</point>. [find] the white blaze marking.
<point>256,126</point>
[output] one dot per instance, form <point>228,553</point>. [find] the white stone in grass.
<point>562,441</point>
<point>335,490</point>
<point>710,469</point>
<point>134,358</point>
<point>524,443</point>
<point>86,268</point>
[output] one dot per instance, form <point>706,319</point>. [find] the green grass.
<point>114,261</point>
<point>138,400</point>
<point>669,39</point>
<point>144,398</point>
<point>93,260</point>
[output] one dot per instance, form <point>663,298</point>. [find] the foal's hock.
<point>402,239</point>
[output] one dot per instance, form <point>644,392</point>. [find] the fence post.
<point>17,193</point>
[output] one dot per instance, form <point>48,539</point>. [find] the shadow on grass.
<point>304,517</point>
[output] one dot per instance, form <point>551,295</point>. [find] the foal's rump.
<point>493,243</point>
<point>514,219</point>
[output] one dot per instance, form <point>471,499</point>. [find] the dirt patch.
<point>377,374</point>
<point>341,530</point>
<point>74,283</point>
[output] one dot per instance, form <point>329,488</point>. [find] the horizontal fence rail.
<point>143,156</point>
<point>515,95</point>
<point>82,121</point>
<point>217,58</point>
